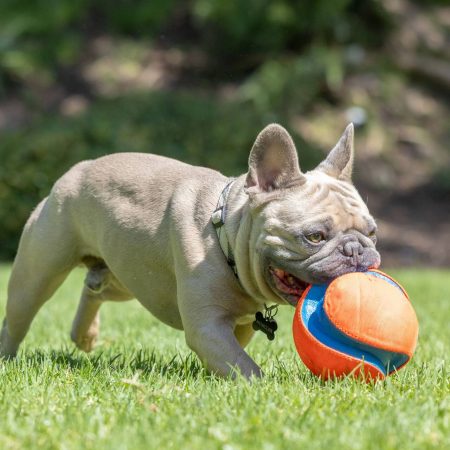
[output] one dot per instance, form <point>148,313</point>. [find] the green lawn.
<point>142,388</point>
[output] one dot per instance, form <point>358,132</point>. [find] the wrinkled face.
<point>313,234</point>
<point>308,227</point>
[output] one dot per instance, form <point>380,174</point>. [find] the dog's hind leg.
<point>100,285</point>
<point>45,257</point>
<point>86,325</point>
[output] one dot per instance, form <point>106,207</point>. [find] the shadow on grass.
<point>149,363</point>
<point>142,361</point>
<point>179,367</point>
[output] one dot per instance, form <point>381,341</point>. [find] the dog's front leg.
<point>212,337</point>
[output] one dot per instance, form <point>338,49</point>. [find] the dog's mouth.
<point>286,285</point>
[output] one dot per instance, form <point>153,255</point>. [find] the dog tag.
<point>266,322</point>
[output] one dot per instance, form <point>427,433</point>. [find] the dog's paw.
<point>86,342</point>
<point>8,346</point>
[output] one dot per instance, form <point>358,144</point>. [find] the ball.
<point>361,324</point>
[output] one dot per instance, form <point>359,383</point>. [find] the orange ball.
<point>360,323</point>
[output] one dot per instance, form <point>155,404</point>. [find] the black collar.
<point>218,219</point>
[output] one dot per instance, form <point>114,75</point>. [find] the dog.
<point>202,252</point>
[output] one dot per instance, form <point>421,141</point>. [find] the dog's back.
<point>126,192</point>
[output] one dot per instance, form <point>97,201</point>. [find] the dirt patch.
<point>414,227</point>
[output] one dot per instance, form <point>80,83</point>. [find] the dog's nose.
<point>352,248</point>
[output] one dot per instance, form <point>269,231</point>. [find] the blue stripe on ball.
<point>385,278</point>
<point>319,325</point>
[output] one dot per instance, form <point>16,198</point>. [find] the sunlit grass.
<point>142,387</point>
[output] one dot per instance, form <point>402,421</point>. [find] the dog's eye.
<point>373,234</point>
<point>315,238</point>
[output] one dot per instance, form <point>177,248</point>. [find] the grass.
<point>142,388</point>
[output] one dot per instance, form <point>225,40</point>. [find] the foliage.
<point>293,84</point>
<point>142,388</point>
<point>39,38</point>
<point>240,27</point>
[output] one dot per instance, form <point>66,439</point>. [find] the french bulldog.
<point>202,252</point>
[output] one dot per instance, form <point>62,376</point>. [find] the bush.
<point>38,38</point>
<point>293,84</point>
<point>241,27</point>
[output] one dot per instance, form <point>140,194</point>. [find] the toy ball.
<point>361,324</point>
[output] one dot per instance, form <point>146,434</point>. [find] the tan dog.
<point>143,226</point>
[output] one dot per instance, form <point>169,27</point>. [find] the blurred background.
<point>197,80</point>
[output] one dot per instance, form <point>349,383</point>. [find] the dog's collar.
<point>218,220</point>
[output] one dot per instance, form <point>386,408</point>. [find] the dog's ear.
<point>273,162</point>
<point>339,162</point>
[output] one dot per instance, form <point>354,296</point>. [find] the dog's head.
<point>307,227</point>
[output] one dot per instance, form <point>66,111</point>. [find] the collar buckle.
<point>217,218</point>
